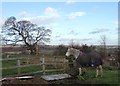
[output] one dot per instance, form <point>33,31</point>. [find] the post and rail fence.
<point>41,63</point>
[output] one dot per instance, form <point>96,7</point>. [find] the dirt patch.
<point>38,80</point>
<point>70,81</point>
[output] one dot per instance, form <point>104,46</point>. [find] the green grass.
<point>9,63</point>
<point>30,69</point>
<point>109,77</point>
<point>9,72</point>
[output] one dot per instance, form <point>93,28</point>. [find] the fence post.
<point>43,65</point>
<point>28,59</point>
<point>18,64</point>
<point>55,62</point>
<point>64,65</point>
<point>8,56</point>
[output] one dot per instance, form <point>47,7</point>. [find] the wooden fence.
<point>42,62</point>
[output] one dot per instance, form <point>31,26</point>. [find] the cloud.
<point>65,40</point>
<point>117,23</point>
<point>50,11</point>
<point>2,22</point>
<point>74,15</point>
<point>58,36</point>
<point>70,2</point>
<point>58,39</point>
<point>76,40</point>
<point>115,31</point>
<point>72,32</point>
<point>113,41</point>
<point>99,31</point>
<point>49,17</point>
<point>24,14</point>
<point>43,20</point>
<point>86,39</point>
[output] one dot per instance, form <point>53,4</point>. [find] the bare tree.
<point>4,41</point>
<point>72,43</point>
<point>103,44</point>
<point>26,32</point>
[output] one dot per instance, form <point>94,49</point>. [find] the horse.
<point>91,59</point>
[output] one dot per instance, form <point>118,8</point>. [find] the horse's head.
<point>69,52</point>
<point>73,52</point>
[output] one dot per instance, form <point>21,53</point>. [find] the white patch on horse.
<point>72,51</point>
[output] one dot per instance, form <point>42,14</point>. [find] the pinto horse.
<point>91,59</point>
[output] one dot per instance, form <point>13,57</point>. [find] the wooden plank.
<point>43,66</point>
<point>22,66</point>
<point>24,77</point>
<point>18,69</point>
<point>52,70</point>
<point>55,77</point>
<point>6,59</point>
<point>36,65</point>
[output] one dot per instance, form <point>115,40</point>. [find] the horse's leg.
<point>80,71</point>
<point>97,71</point>
<point>83,71</point>
<point>80,74</point>
<point>101,70</point>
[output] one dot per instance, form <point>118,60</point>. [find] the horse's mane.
<point>77,51</point>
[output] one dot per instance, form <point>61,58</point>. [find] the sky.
<point>80,22</point>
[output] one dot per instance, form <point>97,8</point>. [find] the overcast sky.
<point>82,22</point>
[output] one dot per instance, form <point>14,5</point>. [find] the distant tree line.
<point>62,49</point>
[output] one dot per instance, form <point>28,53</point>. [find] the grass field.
<point>109,77</point>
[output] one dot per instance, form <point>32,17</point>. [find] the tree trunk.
<point>34,49</point>
<point>37,50</point>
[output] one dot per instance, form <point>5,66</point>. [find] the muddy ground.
<point>38,80</point>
